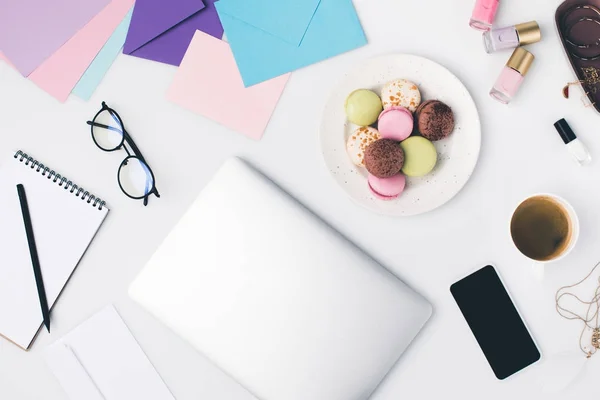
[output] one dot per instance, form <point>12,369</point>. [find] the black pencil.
<point>34,256</point>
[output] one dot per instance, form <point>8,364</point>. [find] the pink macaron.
<point>387,188</point>
<point>395,123</point>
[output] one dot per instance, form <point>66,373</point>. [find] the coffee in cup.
<point>544,228</point>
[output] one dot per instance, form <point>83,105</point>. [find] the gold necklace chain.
<point>589,316</point>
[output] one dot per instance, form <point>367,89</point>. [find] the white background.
<point>521,154</point>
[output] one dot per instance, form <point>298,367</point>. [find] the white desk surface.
<point>521,155</point>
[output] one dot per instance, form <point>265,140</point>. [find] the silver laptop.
<point>275,297</point>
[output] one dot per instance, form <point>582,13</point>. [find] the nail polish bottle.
<point>575,146</point>
<point>512,36</point>
<point>512,75</point>
<point>483,14</point>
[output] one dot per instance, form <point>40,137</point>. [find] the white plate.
<point>457,155</point>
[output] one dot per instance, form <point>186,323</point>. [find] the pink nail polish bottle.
<point>484,14</point>
<point>512,75</point>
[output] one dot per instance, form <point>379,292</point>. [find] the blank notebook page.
<point>64,225</point>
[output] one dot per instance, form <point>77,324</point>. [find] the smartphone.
<point>495,322</point>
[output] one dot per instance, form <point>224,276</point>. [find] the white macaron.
<point>401,92</point>
<point>358,142</point>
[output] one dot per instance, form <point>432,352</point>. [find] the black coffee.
<point>541,228</point>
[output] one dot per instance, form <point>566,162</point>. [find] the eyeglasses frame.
<point>125,139</point>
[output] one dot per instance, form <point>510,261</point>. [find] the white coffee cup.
<point>520,214</point>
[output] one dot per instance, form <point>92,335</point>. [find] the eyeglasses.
<point>135,177</point>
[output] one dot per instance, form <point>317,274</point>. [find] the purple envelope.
<point>162,30</point>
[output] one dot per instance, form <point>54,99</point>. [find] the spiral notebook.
<point>65,219</point>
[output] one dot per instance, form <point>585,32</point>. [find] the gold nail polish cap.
<point>529,32</point>
<point>520,60</point>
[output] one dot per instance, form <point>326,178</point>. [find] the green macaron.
<point>363,107</point>
<point>420,156</point>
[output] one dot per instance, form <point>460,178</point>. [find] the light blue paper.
<point>106,56</point>
<point>287,20</point>
<point>260,56</point>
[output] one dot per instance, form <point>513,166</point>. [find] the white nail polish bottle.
<point>575,146</point>
<point>511,37</point>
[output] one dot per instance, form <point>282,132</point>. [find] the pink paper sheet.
<point>208,82</point>
<point>59,74</point>
<point>6,60</point>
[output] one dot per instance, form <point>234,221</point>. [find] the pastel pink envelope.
<point>59,74</point>
<point>387,188</point>
<point>3,58</point>
<point>208,83</point>
<point>395,123</point>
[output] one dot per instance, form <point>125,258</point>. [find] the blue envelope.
<point>261,55</point>
<point>285,19</point>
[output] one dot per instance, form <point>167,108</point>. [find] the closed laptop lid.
<point>275,297</point>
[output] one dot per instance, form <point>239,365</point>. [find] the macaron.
<point>358,142</point>
<point>387,188</point>
<point>363,107</point>
<point>435,120</point>
<point>384,158</point>
<point>420,156</point>
<point>395,123</point>
<point>401,92</point>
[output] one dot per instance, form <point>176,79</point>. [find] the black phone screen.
<point>495,322</point>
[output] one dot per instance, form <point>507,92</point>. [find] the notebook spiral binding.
<point>62,181</point>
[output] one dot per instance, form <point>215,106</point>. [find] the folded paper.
<point>334,29</point>
<point>105,58</point>
<point>101,360</point>
<point>59,74</point>
<point>32,30</point>
<point>208,83</point>
<point>162,30</point>
<point>286,20</point>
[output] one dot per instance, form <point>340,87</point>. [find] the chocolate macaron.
<point>384,158</point>
<point>435,120</point>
